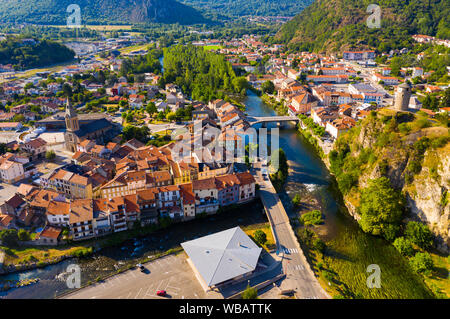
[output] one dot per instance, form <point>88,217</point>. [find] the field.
<point>212,47</point>
<point>134,48</point>
<point>100,27</point>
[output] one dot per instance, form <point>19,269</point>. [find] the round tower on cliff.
<point>402,97</point>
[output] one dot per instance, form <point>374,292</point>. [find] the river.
<point>349,250</point>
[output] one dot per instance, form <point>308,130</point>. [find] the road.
<point>299,275</point>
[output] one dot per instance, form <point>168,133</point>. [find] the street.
<point>299,275</point>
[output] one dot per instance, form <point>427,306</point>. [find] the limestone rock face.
<point>427,195</point>
<point>429,202</point>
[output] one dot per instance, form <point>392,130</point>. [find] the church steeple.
<point>71,117</point>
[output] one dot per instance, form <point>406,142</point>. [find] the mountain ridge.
<point>99,11</point>
<point>333,25</point>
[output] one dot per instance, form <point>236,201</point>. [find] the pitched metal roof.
<point>223,255</point>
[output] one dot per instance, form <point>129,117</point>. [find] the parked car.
<point>141,267</point>
<point>161,293</point>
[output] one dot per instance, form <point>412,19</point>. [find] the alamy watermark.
<point>374,279</point>
<point>73,280</point>
<point>74,18</point>
<point>374,20</point>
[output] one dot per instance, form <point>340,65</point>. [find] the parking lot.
<point>171,273</point>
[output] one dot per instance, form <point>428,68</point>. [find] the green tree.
<point>50,155</point>
<point>171,116</point>
<point>250,293</point>
<point>151,109</point>
<point>260,237</point>
<point>404,246</point>
<point>296,201</point>
<point>9,237</point>
<point>421,263</point>
<point>381,208</point>
<point>268,87</point>
<point>419,234</point>
<point>23,235</point>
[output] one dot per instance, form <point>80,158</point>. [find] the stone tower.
<point>402,97</point>
<point>72,125</point>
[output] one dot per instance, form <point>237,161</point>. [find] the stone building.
<point>402,97</point>
<point>99,130</point>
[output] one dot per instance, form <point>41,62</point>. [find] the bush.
<point>23,235</point>
<point>312,218</point>
<point>82,252</point>
<point>419,234</point>
<point>296,200</point>
<point>319,245</point>
<point>404,246</point>
<point>421,263</point>
<point>327,275</point>
<point>50,155</point>
<point>260,237</point>
<point>9,237</point>
<point>250,293</point>
<point>381,208</point>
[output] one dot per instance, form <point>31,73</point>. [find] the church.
<point>99,130</point>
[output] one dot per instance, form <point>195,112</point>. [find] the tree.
<point>50,155</point>
<point>421,263</point>
<point>296,201</point>
<point>381,208</point>
<point>67,89</point>
<point>9,237</point>
<point>151,109</point>
<point>404,246</point>
<point>268,87</point>
<point>23,235</point>
<point>419,234</point>
<point>250,293</point>
<point>260,237</point>
<point>171,116</point>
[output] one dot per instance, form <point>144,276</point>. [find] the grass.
<point>99,27</point>
<point>312,218</point>
<point>265,227</point>
<point>21,255</point>
<point>212,47</point>
<point>439,281</point>
<point>351,254</point>
<point>134,48</point>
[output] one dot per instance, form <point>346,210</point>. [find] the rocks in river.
<point>4,286</point>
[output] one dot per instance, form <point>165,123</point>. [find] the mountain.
<point>251,7</point>
<point>51,12</point>
<point>332,25</point>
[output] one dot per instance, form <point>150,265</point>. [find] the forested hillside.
<point>251,7</point>
<point>332,25</point>
<point>202,74</point>
<point>42,53</point>
<point>99,11</point>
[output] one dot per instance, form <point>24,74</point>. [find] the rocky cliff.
<point>413,152</point>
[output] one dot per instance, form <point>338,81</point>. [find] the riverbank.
<point>342,266</point>
<point>112,259</point>
<point>438,282</point>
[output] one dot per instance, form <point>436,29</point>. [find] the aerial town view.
<point>224,151</point>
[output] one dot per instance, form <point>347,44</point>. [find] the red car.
<point>161,293</point>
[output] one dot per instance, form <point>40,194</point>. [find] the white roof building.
<point>223,256</point>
